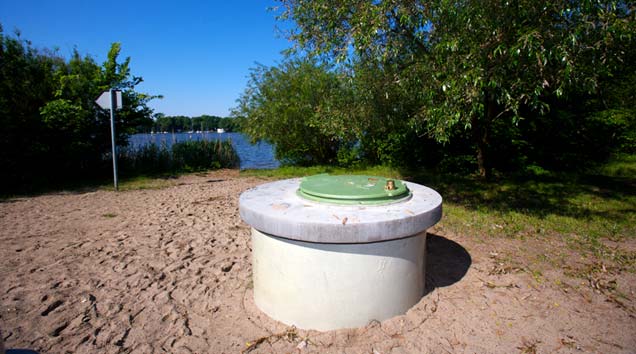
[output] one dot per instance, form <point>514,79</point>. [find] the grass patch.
<point>158,181</point>
<point>585,213</point>
<point>295,171</point>
<point>580,211</point>
<point>582,225</point>
<point>619,166</point>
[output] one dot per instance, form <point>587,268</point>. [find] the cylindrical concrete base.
<point>325,286</point>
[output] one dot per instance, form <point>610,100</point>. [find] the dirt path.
<point>168,270</point>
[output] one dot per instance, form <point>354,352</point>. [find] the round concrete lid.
<point>352,189</point>
<point>277,209</point>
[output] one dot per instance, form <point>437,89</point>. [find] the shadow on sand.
<point>446,262</point>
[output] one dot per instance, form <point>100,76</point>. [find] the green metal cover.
<point>352,189</point>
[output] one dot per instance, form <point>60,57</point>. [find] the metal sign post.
<point>111,99</point>
<point>113,103</point>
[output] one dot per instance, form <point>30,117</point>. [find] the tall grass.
<point>187,156</point>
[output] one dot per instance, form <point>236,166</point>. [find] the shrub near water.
<point>203,155</point>
<point>185,156</point>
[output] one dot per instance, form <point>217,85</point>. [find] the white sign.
<point>104,100</point>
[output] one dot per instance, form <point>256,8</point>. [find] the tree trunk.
<point>481,128</point>
<point>484,171</point>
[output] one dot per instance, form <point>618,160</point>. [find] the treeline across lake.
<point>178,124</point>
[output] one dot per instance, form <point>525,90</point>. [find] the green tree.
<point>382,111</point>
<point>471,63</point>
<point>290,107</point>
<point>26,84</point>
<point>52,129</point>
<point>210,122</point>
<point>78,131</point>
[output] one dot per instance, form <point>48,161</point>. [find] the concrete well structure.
<point>332,252</point>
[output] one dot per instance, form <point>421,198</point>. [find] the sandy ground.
<point>168,270</point>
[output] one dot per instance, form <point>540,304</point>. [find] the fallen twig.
<point>289,334</point>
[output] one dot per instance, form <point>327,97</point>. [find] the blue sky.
<point>197,54</point>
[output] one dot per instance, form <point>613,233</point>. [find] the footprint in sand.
<point>52,307</point>
<point>58,330</point>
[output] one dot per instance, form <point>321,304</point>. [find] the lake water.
<point>253,156</point>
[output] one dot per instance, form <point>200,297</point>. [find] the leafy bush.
<point>290,107</point>
<point>617,127</point>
